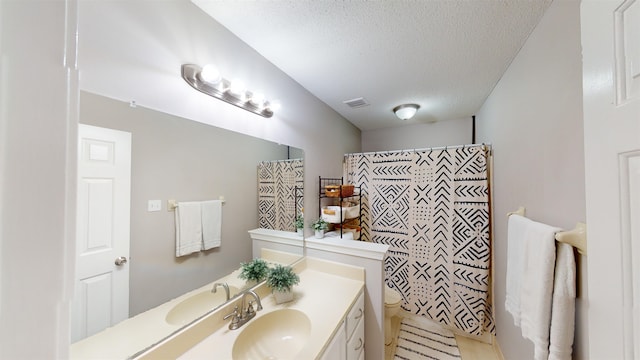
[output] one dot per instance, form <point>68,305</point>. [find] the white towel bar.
<point>576,237</point>
<point>173,204</point>
<point>520,212</point>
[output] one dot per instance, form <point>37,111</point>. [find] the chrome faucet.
<point>241,316</point>
<point>249,308</point>
<point>225,286</point>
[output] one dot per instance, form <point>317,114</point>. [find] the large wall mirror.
<point>176,158</point>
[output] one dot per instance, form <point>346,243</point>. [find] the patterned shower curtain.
<point>432,208</point>
<point>276,193</point>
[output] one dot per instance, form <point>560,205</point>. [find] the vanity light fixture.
<point>406,111</point>
<point>208,80</point>
<point>211,75</point>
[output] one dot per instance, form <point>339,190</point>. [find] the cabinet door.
<point>355,346</point>
<point>337,346</point>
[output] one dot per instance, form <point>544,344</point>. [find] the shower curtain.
<point>277,200</point>
<point>432,208</point>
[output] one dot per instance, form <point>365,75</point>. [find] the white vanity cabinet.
<point>337,346</point>
<point>348,341</point>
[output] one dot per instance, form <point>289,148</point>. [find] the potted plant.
<point>255,270</point>
<point>319,226</point>
<point>281,279</point>
<point>299,224</point>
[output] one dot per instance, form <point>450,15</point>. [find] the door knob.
<point>121,261</point>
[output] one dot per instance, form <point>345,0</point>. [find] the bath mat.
<point>422,340</point>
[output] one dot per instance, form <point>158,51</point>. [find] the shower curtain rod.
<point>423,149</point>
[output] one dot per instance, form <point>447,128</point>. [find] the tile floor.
<point>470,349</point>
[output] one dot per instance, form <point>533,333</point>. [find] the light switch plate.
<point>154,205</point>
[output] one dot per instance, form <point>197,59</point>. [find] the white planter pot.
<point>319,234</point>
<point>248,284</point>
<point>300,232</point>
<point>283,297</point>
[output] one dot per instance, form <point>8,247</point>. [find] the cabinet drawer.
<point>355,345</point>
<point>356,314</point>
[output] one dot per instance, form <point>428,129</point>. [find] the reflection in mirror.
<point>280,193</point>
<point>176,158</point>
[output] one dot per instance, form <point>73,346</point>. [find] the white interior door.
<point>611,82</point>
<point>101,297</point>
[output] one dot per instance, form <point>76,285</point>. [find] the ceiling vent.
<point>357,102</point>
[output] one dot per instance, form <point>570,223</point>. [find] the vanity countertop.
<point>132,335</point>
<point>325,293</point>
<point>146,329</point>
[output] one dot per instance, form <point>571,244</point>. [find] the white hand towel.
<point>564,302</point>
<point>516,230</point>
<point>188,228</point>
<point>537,286</point>
<point>211,224</point>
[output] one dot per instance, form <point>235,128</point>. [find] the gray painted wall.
<point>442,133</point>
<point>37,177</point>
<point>533,118</point>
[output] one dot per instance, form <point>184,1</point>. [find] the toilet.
<point>392,302</point>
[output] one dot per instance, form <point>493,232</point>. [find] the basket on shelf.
<point>337,214</point>
<point>333,214</point>
<point>354,229</point>
<point>339,190</point>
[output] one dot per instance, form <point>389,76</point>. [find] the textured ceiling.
<point>445,55</point>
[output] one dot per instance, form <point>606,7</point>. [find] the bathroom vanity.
<point>325,317</point>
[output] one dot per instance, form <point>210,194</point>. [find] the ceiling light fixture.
<point>406,111</point>
<point>209,81</point>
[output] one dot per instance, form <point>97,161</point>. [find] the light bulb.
<point>236,87</point>
<point>275,106</point>
<point>257,99</point>
<point>210,74</point>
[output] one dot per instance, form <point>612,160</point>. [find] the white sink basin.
<point>280,334</point>
<point>197,305</point>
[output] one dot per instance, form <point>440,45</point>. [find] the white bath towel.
<point>516,230</point>
<point>211,224</point>
<point>188,228</point>
<point>536,291</point>
<point>564,303</point>
<point>531,258</point>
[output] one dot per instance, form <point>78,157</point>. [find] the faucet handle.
<point>235,318</point>
<point>234,313</point>
<point>250,310</point>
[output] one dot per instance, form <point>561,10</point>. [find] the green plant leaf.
<point>255,270</point>
<point>282,278</point>
<point>319,224</point>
